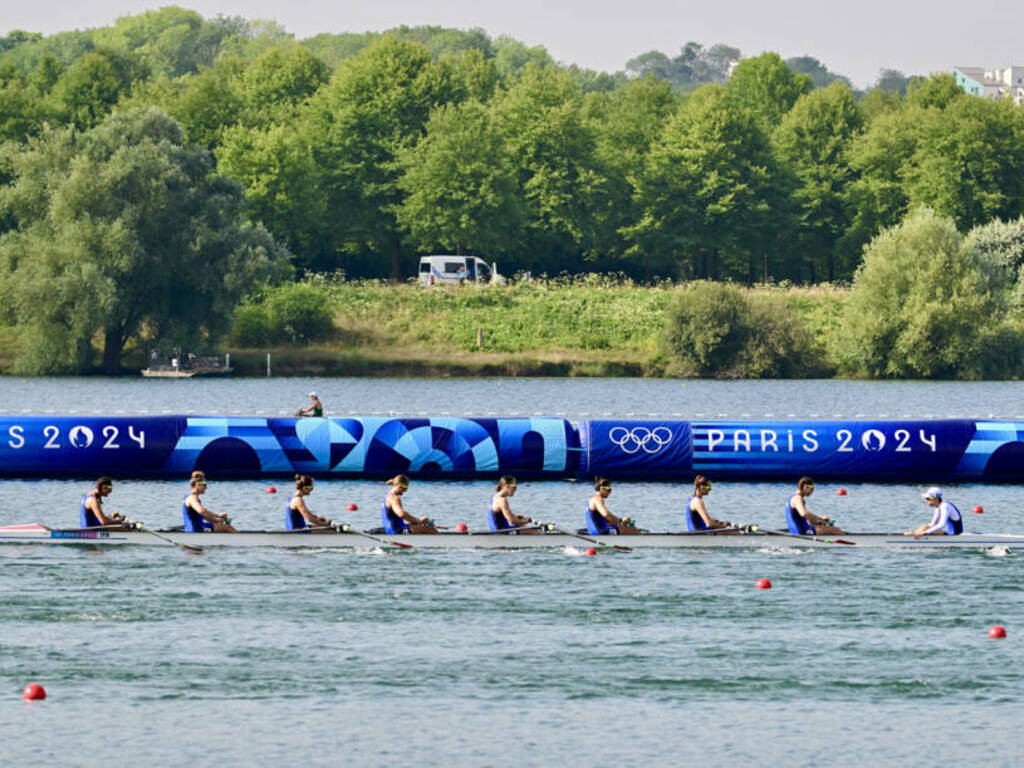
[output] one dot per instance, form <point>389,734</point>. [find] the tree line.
<point>254,156</point>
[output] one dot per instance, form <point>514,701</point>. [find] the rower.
<point>393,514</point>
<point>91,514</point>
<point>697,517</point>
<point>198,518</point>
<point>315,408</point>
<point>600,521</point>
<point>296,514</point>
<point>501,517</point>
<point>799,518</point>
<point>946,520</point>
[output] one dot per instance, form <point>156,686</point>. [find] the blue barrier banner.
<point>634,449</point>
<point>868,450</point>
<point>234,446</point>
<point>77,446</point>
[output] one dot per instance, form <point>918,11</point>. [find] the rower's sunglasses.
<point>512,485</point>
<point>106,487</point>
<point>404,486</point>
<point>809,486</point>
<point>605,487</point>
<point>307,487</point>
<point>706,487</point>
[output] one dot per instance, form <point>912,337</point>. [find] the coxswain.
<point>697,517</point>
<point>297,515</point>
<point>91,514</point>
<point>393,515</point>
<point>501,517</point>
<point>799,519</point>
<point>946,520</point>
<point>315,408</point>
<point>600,521</point>
<point>199,519</point>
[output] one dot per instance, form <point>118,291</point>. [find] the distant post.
<point>480,338</point>
<point>268,365</point>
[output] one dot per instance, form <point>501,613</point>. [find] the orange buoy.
<point>978,510</point>
<point>271,489</point>
<point>764,584</point>
<point>352,506</point>
<point>33,692</point>
<point>841,492</point>
<point>461,528</point>
<point>993,632</point>
<point>590,552</point>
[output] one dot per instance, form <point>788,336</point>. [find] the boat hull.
<point>37,534</point>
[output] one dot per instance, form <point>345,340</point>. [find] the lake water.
<point>154,656</point>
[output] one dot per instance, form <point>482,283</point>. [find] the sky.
<point>857,39</point>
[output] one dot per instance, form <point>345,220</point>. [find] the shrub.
<point>721,330</point>
<point>299,312</point>
<point>926,305</point>
<point>251,326</point>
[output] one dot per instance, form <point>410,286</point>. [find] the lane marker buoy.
<point>590,552</point>
<point>993,632</point>
<point>978,510</point>
<point>33,692</point>
<point>841,492</point>
<point>764,584</point>
<point>461,528</point>
<point>352,506</point>
<point>271,489</point>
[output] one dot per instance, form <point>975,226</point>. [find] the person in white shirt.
<point>946,520</point>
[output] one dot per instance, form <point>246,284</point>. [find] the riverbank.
<point>588,326</point>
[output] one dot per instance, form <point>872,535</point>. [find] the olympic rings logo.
<point>640,439</point>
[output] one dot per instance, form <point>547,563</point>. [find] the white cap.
<point>312,394</point>
<point>932,493</point>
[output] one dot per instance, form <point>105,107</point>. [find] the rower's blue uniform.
<point>694,522</point>
<point>194,522</point>
<point>86,517</point>
<point>796,522</point>
<point>497,520</point>
<point>597,525</point>
<point>392,523</point>
<point>955,527</point>
<point>293,519</point>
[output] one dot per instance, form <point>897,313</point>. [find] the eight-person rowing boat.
<point>203,528</point>
<point>342,538</point>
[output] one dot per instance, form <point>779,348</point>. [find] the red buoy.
<point>461,528</point>
<point>978,510</point>
<point>764,584</point>
<point>841,492</point>
<point>271,489</point>
<point>33,692</point>
<point>993,632</point>
<point>352,506</point>
<point>590,552</point>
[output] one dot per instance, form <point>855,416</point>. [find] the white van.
<point>454,270</point>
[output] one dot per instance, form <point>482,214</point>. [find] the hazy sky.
<point>856,40</point>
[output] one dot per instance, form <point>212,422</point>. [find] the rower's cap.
<point>932,493</point>
<point>312,394</point>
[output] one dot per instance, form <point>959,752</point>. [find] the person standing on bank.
<point>946,520</point>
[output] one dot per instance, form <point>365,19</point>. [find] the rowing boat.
<point>41,534</point>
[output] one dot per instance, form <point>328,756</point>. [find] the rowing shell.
<point>41,534</point>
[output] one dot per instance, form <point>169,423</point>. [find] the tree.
<point>124,232</point>
<point>377,104</point>
<point>278,81</point>
<point>710,193</point>
<point>939,90</point>
<point>461,191</point>
<point>552,151</point>
<point>893,81</point>
<point>923,306</point>
<point>767,87</point>
<point>625,123</point>
<point>814,141</point>
<point>90,87</point>
<point>820,75</point>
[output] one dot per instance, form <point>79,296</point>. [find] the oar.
<point>588,539</point>
<point>151,532</point>
<point>755,529</point>
<point>344,528</point>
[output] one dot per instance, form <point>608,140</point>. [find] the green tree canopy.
<point>123,233</point>
<point>924,306</point>
<point>767,87</point>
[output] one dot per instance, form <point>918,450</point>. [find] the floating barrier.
<point>173,446</point>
